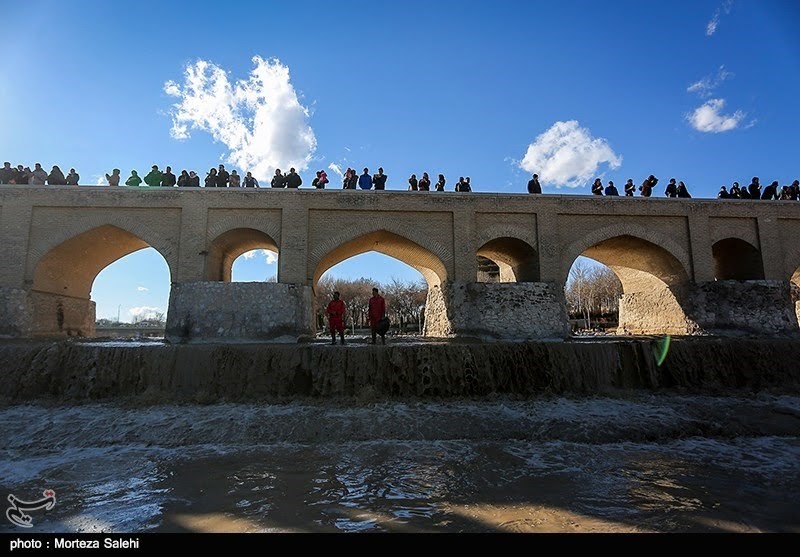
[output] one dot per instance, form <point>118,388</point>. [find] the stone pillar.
<point>753,307</point>
<point>193,243</point>
<point>502,311</point>
<point>465,258</point>
<point>16,313</point>
<point>770,245</point>
<point>293,257</point>
<point>242,311</point>
<point>700,245</point>
<point>548,247</point>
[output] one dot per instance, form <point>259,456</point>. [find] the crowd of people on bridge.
<point>678,189</point>
<point>220,178</point>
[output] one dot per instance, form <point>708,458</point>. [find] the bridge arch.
<point>388,243</point>
<point>227,246</point>
<point>653,273</point>
<point>516,259</point>
<point>737,259</point>
<point>63,276</point>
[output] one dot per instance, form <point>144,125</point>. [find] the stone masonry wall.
<point>654,312</point>
<point>508,311</point>
<point>56,316</point>
<point>762,307</point>
<point>15,312</point>
<point>239,311</point>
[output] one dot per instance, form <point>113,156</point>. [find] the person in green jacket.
<point>134,180</point>
<point>153,178</point>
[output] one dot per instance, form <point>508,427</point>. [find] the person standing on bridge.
<point>413,183</point>
<point>533,185</point>
<point>672,189</point>
<point>293,179</point>
<point>6,173</point>
<point>56,177</point>
<point>630,188</point>
<point>647,186</point>
<point>336,312</point>
<point>23,175</point>
<point>365,180</point>
<point>222,177</point>
<point>183,179</point>
<point>611,189</point>
<point>735,192</point>
<point>211,178</point>
<point>249,181</point>
<point>771,191</point>
<point>379,180</point>
<point>597,187</point>
<point>683,193</point>
<point>153,177</point>
<point>794,190</point>
<point>168,179</point>
<point>279,180</point>
<point>754,189</point>
<point>440,183</point>
<point>425,182</point>
<point>377,311</point>
<point>38,177</point>
<point>72,177</point>
<point>115,177</point>
<point>235,179</point>
<point>133,180</point>
<point>723,193</point>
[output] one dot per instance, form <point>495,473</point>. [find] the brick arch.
<point>517,260</point>
<point>132,222</point>
<point>499,230</point>
<point>226,247</point>
<point>737,259</point>
<point>634,249</point>
<point>388,243</point>
<point>361,229</point>
<point>70,267</point>
<point>269,226</point>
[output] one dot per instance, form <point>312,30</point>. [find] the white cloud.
<point>260,120</point>
<point>723,9</point>
<point>336,168</point>
<point>568,155</point>
<point>145,312</point>
<point>706,86</point>
<point>270,256</point>
<point>708,117</point>
<point>142,289</point>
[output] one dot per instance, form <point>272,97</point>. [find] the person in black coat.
<point>379,180</point>
<point>611,189</point>
<point>293,179</point>
<point>279,180</point>
<point>672,189</point>
<point>682,191</point>
<point>168,178</point>
<point>183,179</point>
<point>533,185</point>
<point>754,189</point>
<point>630,188</point>
<point>6,173</point>
<point>771,191</point>
<point>413,183</point>
<point>211,178</point>
<point>222,177</point>
<point>194,180</point>
<point>597,187</point>
<point>424,182</point>
<point>441,183</point>
<point>723,193</point>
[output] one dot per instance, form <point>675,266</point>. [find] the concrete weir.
<point>68,370</point>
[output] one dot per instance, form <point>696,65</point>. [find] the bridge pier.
<point>508,311</point>
<point>241,311</point>
<point>28,313</point>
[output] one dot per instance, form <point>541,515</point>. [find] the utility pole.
<point>119,307</point>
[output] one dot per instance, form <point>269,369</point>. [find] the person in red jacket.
<point>377,311</point>
<point>336,310</point>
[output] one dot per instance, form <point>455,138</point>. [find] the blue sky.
<point>461,88</point>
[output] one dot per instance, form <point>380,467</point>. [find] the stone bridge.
<point>686,266</point>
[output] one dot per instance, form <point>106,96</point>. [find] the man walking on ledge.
<point>377,311</point>
<point>336,310</point>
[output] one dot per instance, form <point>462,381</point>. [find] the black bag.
<point>383,326</point>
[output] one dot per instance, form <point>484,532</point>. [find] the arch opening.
<point>226,248</point>
<point>507,260</point>
<point>649,288</point>
<point>403,288</point>
<point>736,259</point>
<point>412,254</point>
<point>64,279</point>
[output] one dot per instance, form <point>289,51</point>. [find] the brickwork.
<point>56,239</point>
